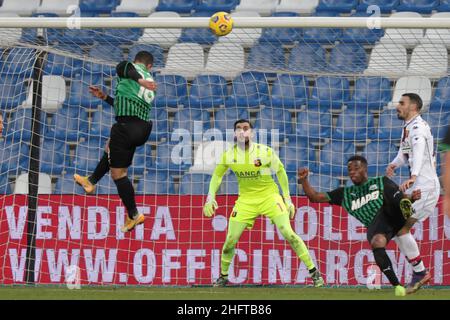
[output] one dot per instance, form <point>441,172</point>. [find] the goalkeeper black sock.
<point>383,261</point>
<point>126,193</point>
<point>311,271</point>
<point>101,169</point>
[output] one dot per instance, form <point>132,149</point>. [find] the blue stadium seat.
<point>66,185</point>
<point>441,99</point>
<point>13,91</point>
<point>289,91</point>
<point>225,118</point>
<point>180,6</point>
<point>207,91</point>
<point>313,124</point>
<point>194,121</point>
<point>51,35</point>
<point>337,5</point>
<point>371,93</point>
<point>70,123</point>
<point>322,182</point>
<point>355,125</point>
<point>386,6</point>
<point>420,6</point>
<point>306,57</point>
<point>79,92</point>
<point>438,123</point>
<point>348,58</point>
<point>249,89</point>
<point>330,92</point>
<point>172,91</point>
<point>142,160</point>
<point>87,155</point>
<point>154,49</point>
<point>444,6</point>
<point>279,36</point>
<point>102,121</point>
<point>105,52</point>
<point>213,6</point>
<point>20,62</point>
<point>121,36</point>
<point>5,188</point>
<point>293,185</point>
<point>173,157</point>
<point>160,124</point>
<point>266,57</point>
<point>14,156</point>
<point>19,127</point>
<point>334,156</point>
<point>363,36</point>
<point>155,182</point>
<point>198,35</point>
<point>195,184</point>
<point>297,155</point>
<point>106,185</point>
<point>98,6</point>
<point>54,155</point>
<point>229,184</point>
<point>276,119</point>
<point>379,154</point>
<point>322,35</point>
<point>62,65</point>
<point>389,126</point>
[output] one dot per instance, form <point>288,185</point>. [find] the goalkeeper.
<point>135,92</point>
<point>253,165</point>
<point>377,203</point>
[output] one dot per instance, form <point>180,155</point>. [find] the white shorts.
<point>425,206</point>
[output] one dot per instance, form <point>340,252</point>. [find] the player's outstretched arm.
<point>97,92</point>
<point>312,194</point>
<point>211,204</point>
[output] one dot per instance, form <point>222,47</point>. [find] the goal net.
<point>316,95</point>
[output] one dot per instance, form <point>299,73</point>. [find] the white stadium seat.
<point>45,184</point>
<point>207,156</point>
<point>406,37</point>
<point>263,7</point>
<point>9,36</point>
<point>141,7</point>
<point>387,60</point>
<point>438,36</point>
<point>53,93</point>
<point>61,7</point>
<point>430,60</point>
<point>225,59</point>
<point>22,8</point>
<point>185,59</point>
<point>163,37</point>
<point>246,37</point>
<point>299,6</point>
<point>413,84</point>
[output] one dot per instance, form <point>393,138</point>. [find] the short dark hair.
<point>358,158</point>
<point>242,121</point>
<point>415,98</point>
<point>144,56</point>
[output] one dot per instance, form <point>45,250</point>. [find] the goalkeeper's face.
<point>243,132</point>
<point>357,171</point>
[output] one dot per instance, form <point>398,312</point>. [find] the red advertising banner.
<point>178,246</point>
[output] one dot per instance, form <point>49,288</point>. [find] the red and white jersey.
<point>417,150</point>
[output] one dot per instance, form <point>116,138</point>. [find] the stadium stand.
<point>180,64</point>
<point>207,91</point>
<point>155,182</point>
<point>180,6</point>
<point>308,58</point>
<point>233,53</point>
<point>344,6</point>
<point>13,6</point>
<point>289,91</point>
<point>140,7</point>
<point>263,7</point>
<point>246,37</point>
<point>162,37</point>
<point>277,36</point>
<point>298,6</point>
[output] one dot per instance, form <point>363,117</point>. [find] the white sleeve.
<point>418,153</point>
<point>400,159</point>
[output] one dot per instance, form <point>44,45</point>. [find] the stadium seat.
<point>275,121</point>
<point>330,92</point>
<point>5,188</point>
<point>53,156</point>
<point>160,121</point>
<point>155,182</point>
<point>246,37</point>
<point>154,49</point>
<point>180,6</point>
<point>296,155</point>
<point>408,38</point>
<point>19,62</point>
<point>298,6</point>
<point>125,36</point>
<point>389,126</point>
<point>51,35</point>
<point>79,92</point>
<point>10,36</point>
<point>224,118</point>
<point>60,7</point>
<point>289,91</point>
<point>420,6</point>
<point>281,36</point>
<point>414,84</point>
<point>229,184</point>
<point>70,123</point>
<point>322,35</point>
<point>14,156</point>
<point>344,6</point>
<point>234,56</point>
<point>334,156</point>
<point>185,59</point>
<point>66,185</point>
<point>363,36</point>
<point>438,123</point>
<point>266,58</point>
<point>294,189</point>
<point>371,94</point>
<point>64,64</point>
<point>307,58</point>
<point>53,93</point>
<point>172,91</point>
<point>444,6</point>
<point>195,184</point>
<point>19,127</point>
<point>202,36</point>
<point>323,182</point>
<point>263,7</point>
<point>142,160</point>
<point>379,154</point>
<point>207,91</point>
<point>386,6</point>
<point>87,155</point>
<point>438,36</point>
<point>249,89</point>
<point>441,99</point>
<point>313,124</point>
<point>13,90</point>
<point>102,121</point>
<point>141,7</point>
<point>354,125</point>
<point>106,185</point>
<point>348,58</point>
<point>83,37</point>
<point>192,121</point>
<point>216,5</point>
<point>98,6</point>
<point>173,157</point>
<point>430,60</point>
<point>109,54</point>
<point>20,8</point>
<point>44,187</point>
<point>208,155</point>
<point>163,37</point>
<point>387,60</point>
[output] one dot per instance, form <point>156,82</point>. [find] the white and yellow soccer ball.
<point>221,23</point>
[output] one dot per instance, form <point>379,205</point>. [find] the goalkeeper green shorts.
<point>247,210</point>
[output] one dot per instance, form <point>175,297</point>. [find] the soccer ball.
<point>221,23</point>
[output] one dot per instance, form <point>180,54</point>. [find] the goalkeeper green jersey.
<point>131,98</point>
<point>253,169</point>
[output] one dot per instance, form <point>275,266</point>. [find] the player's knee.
<point>378,241</point>
<point>118,173</point>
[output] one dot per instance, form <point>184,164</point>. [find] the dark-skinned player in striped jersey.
<point>376,202</point>
<point>134,95</point>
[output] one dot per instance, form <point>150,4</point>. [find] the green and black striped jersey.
<point>362,201</point>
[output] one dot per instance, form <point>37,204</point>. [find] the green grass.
<point>209,293</point>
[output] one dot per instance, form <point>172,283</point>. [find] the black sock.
<point>312,270</point>
<point>101,169</point>
<point>126,193</point>
<point>383,261</point>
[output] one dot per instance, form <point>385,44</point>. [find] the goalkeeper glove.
<point>290,206</point>
<point>210,206</point>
